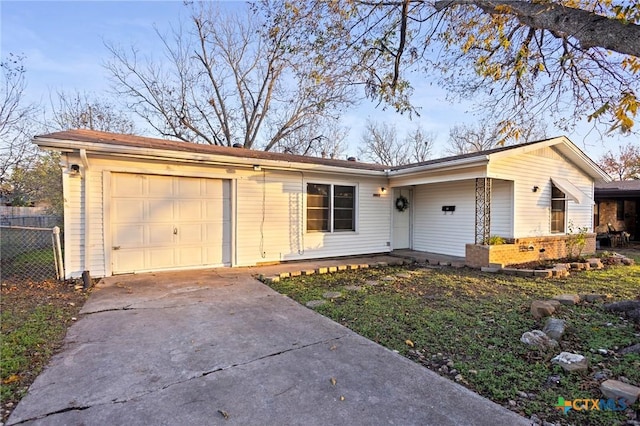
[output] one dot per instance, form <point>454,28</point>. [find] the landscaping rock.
<point>567,299</point>
<point>541,308</point>
<point>371,283</point>
<point>624,306</point>
<point>593,297</point>
<point>388,278</point>
<point>571,362</point>
<point>615,389</point>
<point>524,272</point>
<point>353,288</point>
<point>332,295</point>
<point>600,375</point>
<point>554,328</point>
<point>630,308</point>
<point>543,273</point>
<point>635,349</point>
<point>315,303</point>
<point>554,303</point>
<point>595,263</point>
<point>490,269</point>
<point>553,380</point>
<point>627,261</point>
<point>538,339</point>
<point>510,271</point>
<point>403,275</point>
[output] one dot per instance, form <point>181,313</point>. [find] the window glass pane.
<point>558,208</point>
<point>317,207</point>
<point>317,201</point>
<point>317,225</point>
<point>620,210</point>
<point>343,208</point>
<point>556,193</point>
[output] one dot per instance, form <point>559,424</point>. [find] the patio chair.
<point>618,237</point>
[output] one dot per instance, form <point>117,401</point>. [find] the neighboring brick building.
<point>618,204</point>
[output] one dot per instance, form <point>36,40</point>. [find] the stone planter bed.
<point>560,269</point>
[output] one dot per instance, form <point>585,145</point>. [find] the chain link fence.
<point>30,253</point>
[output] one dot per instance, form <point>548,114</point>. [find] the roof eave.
<point>67,145</point>
<point>448,165</point>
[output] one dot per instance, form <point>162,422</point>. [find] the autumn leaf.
<point>11,379</point>
<point>409,343</point>
<point>333,381</point>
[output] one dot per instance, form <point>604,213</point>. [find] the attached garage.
<point>168,222</point>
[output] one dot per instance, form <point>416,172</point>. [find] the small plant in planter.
<point>576,241</point>
<point>495,240</point>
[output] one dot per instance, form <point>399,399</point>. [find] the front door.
<point>402,220</point>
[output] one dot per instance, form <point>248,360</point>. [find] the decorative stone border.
<point>268,279</point>
<point>559,270</point>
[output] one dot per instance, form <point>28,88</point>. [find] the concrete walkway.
<point>218,347</point>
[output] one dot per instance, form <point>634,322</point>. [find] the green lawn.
<point>34,317</point>
<point>474,321</point>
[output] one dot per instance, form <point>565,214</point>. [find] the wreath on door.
<point>402,203</point>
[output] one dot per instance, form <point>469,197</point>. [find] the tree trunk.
<point>590,29</point>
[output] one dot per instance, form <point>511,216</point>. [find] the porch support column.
<point>483,210</point>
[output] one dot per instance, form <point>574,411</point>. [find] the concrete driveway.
<point>218,347</point>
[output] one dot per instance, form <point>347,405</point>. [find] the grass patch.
<point>471,322</point>
<point>33,322</point>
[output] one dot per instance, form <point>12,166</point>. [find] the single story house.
<point>135,204</point>
<point>617,208</point>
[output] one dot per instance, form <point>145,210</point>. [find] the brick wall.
<point>607,214</point>
<point>523,250</point>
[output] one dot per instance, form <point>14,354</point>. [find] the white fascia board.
<point>190,157</point>
<point>445,165</point>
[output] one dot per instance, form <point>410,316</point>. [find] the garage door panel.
<point>160,258</point>
<point>127,210</point>
<point>160,234</point>
<point>190,188</point>
<point>192,233</point>
<point>190,210</point>
<point>128,185</point>
<point>144,219</point>
<point>129,236</point>
<point>160,210</point>
<point>191,255</point>
<point>160,186</point>
<point>128,260</point>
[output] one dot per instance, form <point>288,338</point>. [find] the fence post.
<point>57,253</point>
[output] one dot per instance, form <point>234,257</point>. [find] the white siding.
<point>502,208</point>
<point>280,234</point>
<point>73,224</point>
<point>268,220</point>
<point>532,209</point>
<point>439,232</point>
<point>95,239</point>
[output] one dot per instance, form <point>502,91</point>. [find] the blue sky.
<point>64,47</point>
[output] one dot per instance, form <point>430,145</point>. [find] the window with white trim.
<point>558,209</point>
<point>330,208</point>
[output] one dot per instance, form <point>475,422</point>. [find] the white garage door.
<point>169,222</point>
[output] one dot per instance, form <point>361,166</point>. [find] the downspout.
<point>87,203</point>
